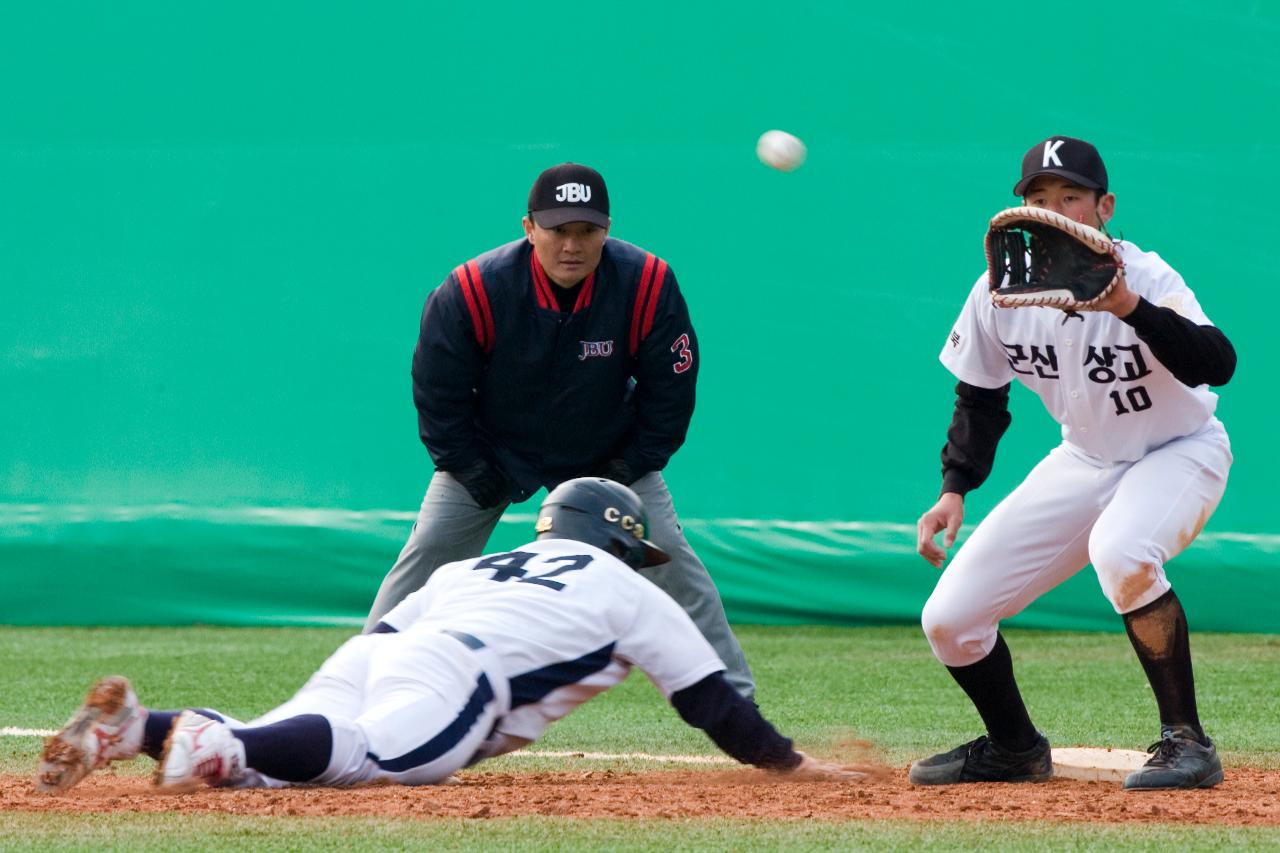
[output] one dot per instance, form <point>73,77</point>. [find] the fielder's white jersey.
<point>565,621</point>
<point>1115,401</point>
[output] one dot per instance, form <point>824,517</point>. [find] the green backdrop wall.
<point>218,223</point>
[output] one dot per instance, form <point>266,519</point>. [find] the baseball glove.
<point>1038,257</point>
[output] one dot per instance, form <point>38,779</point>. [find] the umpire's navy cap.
<point>569,192</point>
<point>1066,157</point>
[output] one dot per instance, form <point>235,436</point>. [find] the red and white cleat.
<point>106,728</point>
<point>199,750</point>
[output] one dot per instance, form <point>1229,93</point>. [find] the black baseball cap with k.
<point>566,193</point>
<point>1066,157</point>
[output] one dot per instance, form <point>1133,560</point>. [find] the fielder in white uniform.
<point>476,663</point>
<point>1142,465</point>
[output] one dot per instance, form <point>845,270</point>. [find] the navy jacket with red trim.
<point>501,373</point>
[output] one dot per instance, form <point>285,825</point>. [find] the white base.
<point>1096,763</point>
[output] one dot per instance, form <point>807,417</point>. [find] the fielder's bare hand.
<point>1120,301</point>
<point>947,514</point>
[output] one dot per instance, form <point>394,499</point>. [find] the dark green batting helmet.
<point>602,513</point>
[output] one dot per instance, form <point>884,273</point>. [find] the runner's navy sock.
<point>293,750</point>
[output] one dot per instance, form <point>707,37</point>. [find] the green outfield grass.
<point>819,685</point>
<point>151,832</point>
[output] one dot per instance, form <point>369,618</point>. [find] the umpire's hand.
<point>487,484</point>
<point>947,514</point>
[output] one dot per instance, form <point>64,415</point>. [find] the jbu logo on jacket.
<point>595,349</point>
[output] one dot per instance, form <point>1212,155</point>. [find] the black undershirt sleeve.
<point>980,419</point>
<point>1194,354</point>
<point>734,724</point>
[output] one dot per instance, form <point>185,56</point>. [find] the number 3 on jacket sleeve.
<point>684,354</point>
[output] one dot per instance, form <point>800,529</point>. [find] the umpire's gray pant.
<point>451,527</point>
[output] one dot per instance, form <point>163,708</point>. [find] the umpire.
<point>562,354</point>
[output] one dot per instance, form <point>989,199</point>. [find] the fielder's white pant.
<point>1127,519</point>
<point>409,707</point>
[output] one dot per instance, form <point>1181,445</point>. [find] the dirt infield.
<point>1246,798</point>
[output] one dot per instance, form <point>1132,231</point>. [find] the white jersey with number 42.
<point>1114,400</point>
<point>565,621</point>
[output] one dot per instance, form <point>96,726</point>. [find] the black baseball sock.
<point>1159,635</point>
<point>990,685</point>
<point>155,730</point>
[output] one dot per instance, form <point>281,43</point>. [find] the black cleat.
<point>983,760</point>
<point>1178,760</point>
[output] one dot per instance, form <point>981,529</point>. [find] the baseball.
<point>781,150</point>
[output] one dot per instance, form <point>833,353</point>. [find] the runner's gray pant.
<point>451,527</point>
